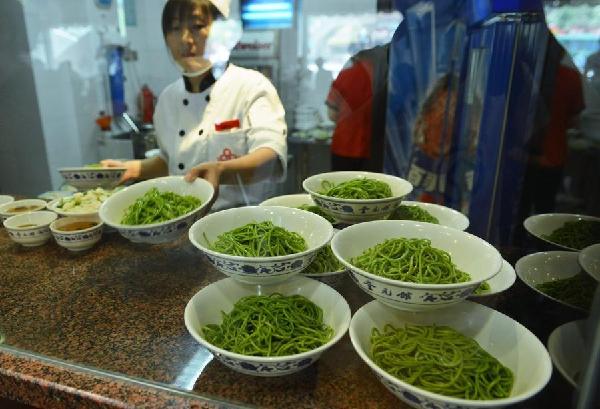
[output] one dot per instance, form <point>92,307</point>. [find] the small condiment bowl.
<point>21,206</point>
<point>6,199</point>
<point>79,239</point>
<point>30,229</point>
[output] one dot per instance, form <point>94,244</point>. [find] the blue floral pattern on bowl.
<point>164,233</point>
<point>266,368</point>
<point>410,299</point>
<point>77,241</point>
<point>357,212</point>
<point>92,178</point>
<point>261,271</point>
<point>416,401</point>
<point>30,237</point>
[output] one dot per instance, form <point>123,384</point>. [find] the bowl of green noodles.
<point>90,177</point>
<point>325,267</point>
<point>557,276</point>
<point>299,201</point>
<point>157,210</point>
<point>355,197</point>
<point>415,266</point>
<point>465,356</point>
<point>564,230</point>
<point>430,213</point>
<point>267,330</point>
<point>261,244</point>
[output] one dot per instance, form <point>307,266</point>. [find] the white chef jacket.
<point>185,128</point>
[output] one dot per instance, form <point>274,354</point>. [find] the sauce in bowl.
<point>24,226</point>
<point>82,225</point>
<point>22,209</point>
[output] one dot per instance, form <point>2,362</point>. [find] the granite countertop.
<point>104,328</point>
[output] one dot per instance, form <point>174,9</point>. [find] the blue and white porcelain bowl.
<point>88,178</point>
<point>501,336</point>
<point>315,230</point>
<point>30,229</point>
<point>79,239</point>
<point>356,210</point>
<point>17,207</point>
<point>112,210</point>
<point>468,252</point>
<point>207,305</point>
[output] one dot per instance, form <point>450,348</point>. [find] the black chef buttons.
<point>181,166</point>
<point>185,101</point>
<point>207,98</point>
<point>181,133</point>
<point>201,131</point>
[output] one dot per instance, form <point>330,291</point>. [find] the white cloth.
<point>185,127</point>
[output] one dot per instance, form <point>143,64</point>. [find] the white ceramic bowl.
<point>113,209</point>
<point>500,282</point>
<point>88,178</point>
<point>6,199</point>
<point>589,260</point>
<point>77,240</point>
<point>354,240</point>
<point>30,229</point>
<point>357,210</point>
<point>445,215</point>
<point>504,338</point>
<point>315,230</point>
<point>541,225</point>
<point>6,210</point>
<point>538,268</point>
<point>567,350</point>
<point>208,303</point>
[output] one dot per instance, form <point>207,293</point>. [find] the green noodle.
<point>440,360</point>
<point>156,207</point>
<point>483,288</point>
<point>324,262</point>
<point>576,235</point>
<point>270,325</point>
<point>413,212</point>
<point>262,239</point>
<point>412,260</point>
<point>577,290</point>
<point>359,188</point>
<point>317,210</point>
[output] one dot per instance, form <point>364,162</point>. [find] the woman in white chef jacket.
<point>190,111</point>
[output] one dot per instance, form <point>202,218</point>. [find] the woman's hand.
<point>210,171</point>
<point>133,172</point>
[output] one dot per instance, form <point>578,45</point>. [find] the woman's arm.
<point>139,169</point>
<point>253,167</point>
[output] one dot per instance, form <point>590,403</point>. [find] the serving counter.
<point>105,328</point>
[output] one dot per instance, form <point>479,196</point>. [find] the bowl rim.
<point>119,226</point>
<point>582,257</point>
<point>5,206</point>
<point>84,169</point>
<point>271,359</point>
<point>449,399</point>
<point>543,254</point>
<point>442,208</point>
<point>357,201</point>
<point>37,226</point>
<point>98,225</point>
<point>292,195</point>
<point>254,260</point>
<point>527,225</point>
<point>52,205</point>
<point>407,284</point>
<point>9,197</point>
<point>506,270</point>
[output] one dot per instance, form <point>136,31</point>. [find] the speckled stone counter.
<point>105,328</point>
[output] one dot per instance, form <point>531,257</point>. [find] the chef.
<point>231,130</point>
